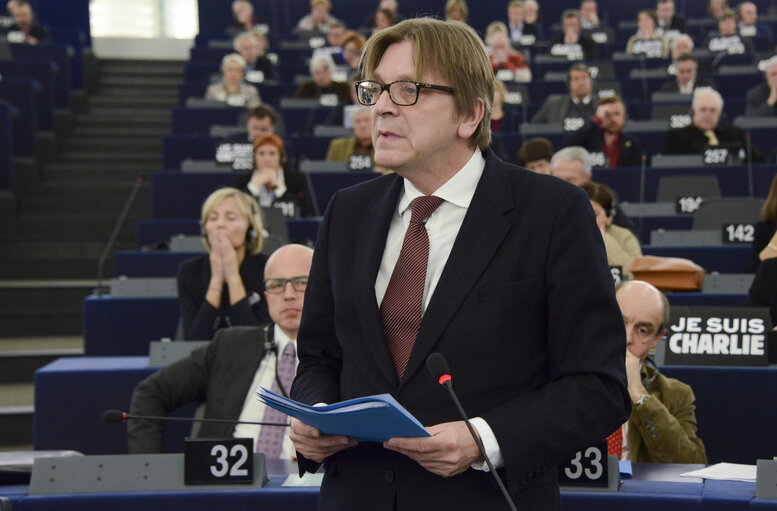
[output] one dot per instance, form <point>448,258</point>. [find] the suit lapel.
<point>481,234</point>
<point>371,235</point>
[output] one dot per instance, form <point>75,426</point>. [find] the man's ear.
<point>469,121</point>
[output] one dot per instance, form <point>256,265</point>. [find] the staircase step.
<point>76,227</point>
<point>98,172</point>
<point>20,357</point>
<point>109,157</point>
<point>54,250</point>
<point>137,67</point>
<point>16,394</point>
<point>131,132</point>
<point>171,81</point>
<point>66,206</point>
<point>75,268</point>
<point>146,101</point>
<point>122,92</point>
<point>113,143</point>
<point>110,120</point>
<point>16,425</point>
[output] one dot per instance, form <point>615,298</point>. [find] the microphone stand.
<point>114,234</point>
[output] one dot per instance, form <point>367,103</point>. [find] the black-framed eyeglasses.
<point>401,92</point>
<point>278,285</point>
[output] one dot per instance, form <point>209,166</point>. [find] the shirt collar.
<point>281,339</point>
<point>458,190</point>
<point>584,101</point>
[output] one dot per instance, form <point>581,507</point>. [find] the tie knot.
<point>423,207</point>
<point>289,350</point>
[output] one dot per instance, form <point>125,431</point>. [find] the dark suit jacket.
<point>762,236</point>
<point>591,138</point>
<point>296,193</point>
<point>586,44</point>
<point>311,90</point>
<point>200,319</point>
<point>218,375</point>
<point>671,85</point>
<point>691,140</point>
<point>763,290</point>
<point>756,101</point>
<point>559,106</point>
<point>678,23</point>
<point>524,312</point>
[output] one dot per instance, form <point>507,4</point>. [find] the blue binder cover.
<point>368,419</point>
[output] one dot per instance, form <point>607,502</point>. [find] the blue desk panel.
<point>731,429</point>
<point>125,326</point>
<point>24,94</point>
<point>634,495</point>
<point>44,72</point>
<point>7,114</point>
<point>180,195</point>
<point>59,54</point>
<point>71,395</point>
<point>733,180</point>
<point>199,120</point>
<point>148,232</point>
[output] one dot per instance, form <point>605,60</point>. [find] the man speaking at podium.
<point>500,270</point>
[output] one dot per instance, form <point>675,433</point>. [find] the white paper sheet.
<point>725,472</point>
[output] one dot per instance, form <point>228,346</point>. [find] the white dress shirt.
<point>253,409</point>
<point>442,227</point>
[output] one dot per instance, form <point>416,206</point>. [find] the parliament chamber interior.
<point>105,164</point>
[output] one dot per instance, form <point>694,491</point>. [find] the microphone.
<point>115,416</point>
<point>438,368</point>
<point>643,67</point>
<point>642,177</point>
<point>749,155</point>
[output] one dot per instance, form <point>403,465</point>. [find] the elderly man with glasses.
<point>500,270</point>
<point>226,374</point>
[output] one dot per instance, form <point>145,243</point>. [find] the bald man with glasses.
<point>226,374</point>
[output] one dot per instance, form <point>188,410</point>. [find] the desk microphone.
<point>438,368</point>
<point>114,416</point>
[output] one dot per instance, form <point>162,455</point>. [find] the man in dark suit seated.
<point>226,374</point>
<point>604,138</point>
<point>573,164</point>
<point>25,28</point>
<point>726,40</point>
<point>685,81</point>
<point>668,19</point>
<point>328,91</point>
<point>762,99</point>
<point>579,104</point>
<point>357,149</point>
<point>706,131</point>
<point>571,42</point>
<point>499,269</point>
<point>748,26</point>
<point>662,426</point>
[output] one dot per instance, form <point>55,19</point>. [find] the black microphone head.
<point>113,416</point>
<point>438,367</point>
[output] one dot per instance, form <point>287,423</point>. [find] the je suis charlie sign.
<point>717,336</point>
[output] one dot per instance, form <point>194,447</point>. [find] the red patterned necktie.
<point>615,443</point>
<point>402,305</point>
<point>270,438</point>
